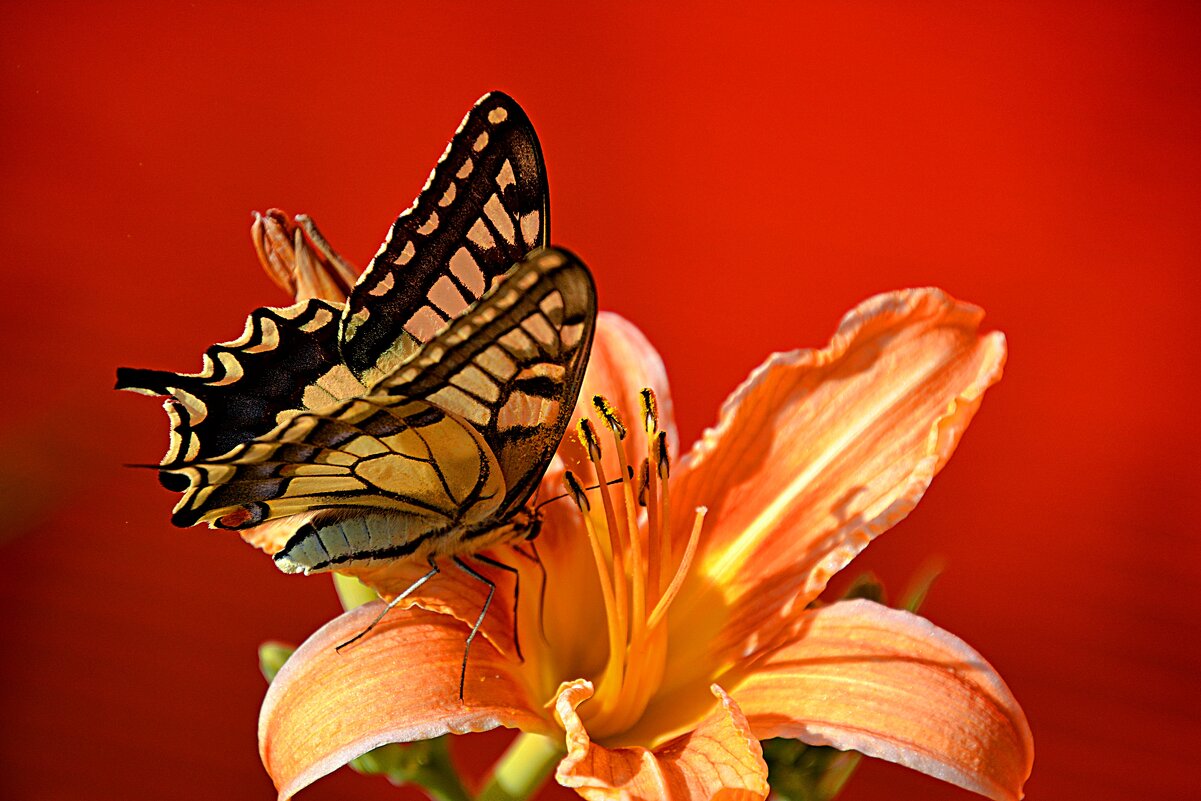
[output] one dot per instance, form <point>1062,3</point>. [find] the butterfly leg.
<point>433,572</point>
<point>536,559</point>
<point>479,621</point>
<point>516,594</point>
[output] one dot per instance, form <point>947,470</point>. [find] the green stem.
<point>523,768</point>
<point>441,779</point>
<point>438,776</point>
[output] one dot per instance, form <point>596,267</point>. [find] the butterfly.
<point>415,420</point>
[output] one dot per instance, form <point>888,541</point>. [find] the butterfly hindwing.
<point>366,454</point>
<point>483,209</point>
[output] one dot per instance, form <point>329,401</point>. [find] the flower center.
<point>640,572</point>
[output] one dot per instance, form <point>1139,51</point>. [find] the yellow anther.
<point>588,439</point>
<point>609,415</point>
<point>577,492</point>
<point>663,457</point>
<point>650,409</point>
<point>644,482</point>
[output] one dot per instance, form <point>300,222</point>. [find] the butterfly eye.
<point>535,529</point>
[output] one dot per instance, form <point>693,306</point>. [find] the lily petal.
<point>399,684</point>
<point>622,363</point>
<point>892,685</point>
<point>820,451</point>
<point>721,758</point>
<point>452,591</point>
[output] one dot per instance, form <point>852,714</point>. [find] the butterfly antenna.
<point>479,621</point>
<point>536,559</point>
<point>388,608</point>
<point>566,494</point>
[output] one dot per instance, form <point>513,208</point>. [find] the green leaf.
<point>272,656</point>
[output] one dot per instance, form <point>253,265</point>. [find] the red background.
<point>737,179</point>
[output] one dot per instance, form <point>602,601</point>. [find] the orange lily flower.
<point>679,622</point>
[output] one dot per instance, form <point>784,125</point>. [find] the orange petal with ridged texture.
<point>892,685</point>
<point>719,759</point>
<point>454,592</point>
<point>398,684</point>
<point>623,361</point>
<point>820,451</point>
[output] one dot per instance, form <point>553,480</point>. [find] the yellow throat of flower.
<point>639,570</point>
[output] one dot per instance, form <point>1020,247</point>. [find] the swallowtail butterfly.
<point>416,419</point>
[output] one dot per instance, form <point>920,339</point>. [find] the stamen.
<point>662,470</point>
<point>664,459</point>
<point>656,531</point>
<point>631,536</point>
<point>617,545</point>
<point>650,410</point>
<point>644,481</point>
<point>609,415</point>
<point>576,491</point>
<point>588,439</point>
<point>614,614</point>
<point>677,581</point>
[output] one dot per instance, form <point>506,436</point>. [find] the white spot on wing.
<point>322,318</point>
<point>384,286</point>
<point>455,400</point>
<point>526,410</point>
<point>233,369</point>
<point>478,382</point>
<point>430,226</point>
<point>465,268</point>
<point>500,218</point>
<point>498,115</point>
<point>269,339</point>
<point>538,326</point>
<point>497,362</point>
<point>518,343</point>
<point>529,229</point>
<point>480,235</point>
<point>446,296</point>
<point>552,306</point>
<point>424,324</point>
<point>505,177</point>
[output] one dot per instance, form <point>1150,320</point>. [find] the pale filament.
<point>646,580</point>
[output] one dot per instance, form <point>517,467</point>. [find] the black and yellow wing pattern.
<point>437,458</point>
<point>418,416</point>
<point>485,206</point>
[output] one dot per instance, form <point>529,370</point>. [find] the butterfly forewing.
<point>512,367</point>
<point>484,208</point>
